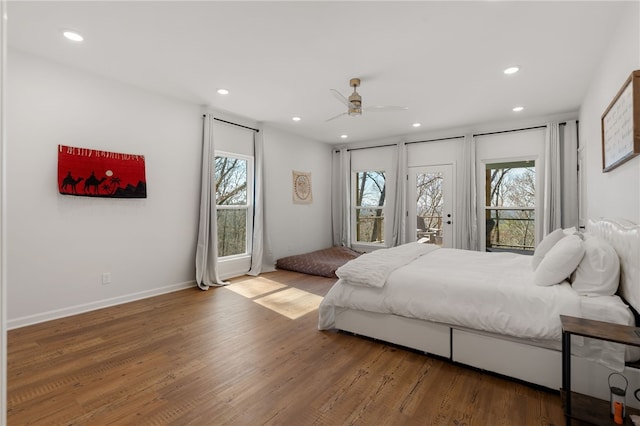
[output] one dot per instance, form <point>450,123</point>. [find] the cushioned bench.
<point>321,262</point>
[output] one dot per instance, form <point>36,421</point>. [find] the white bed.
<point>483,310</point>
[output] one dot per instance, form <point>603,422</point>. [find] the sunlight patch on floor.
<point>280,298</point>
<point>292,302</point>
<point>255,287</point>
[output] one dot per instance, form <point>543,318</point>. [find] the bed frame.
<point>516,358</point>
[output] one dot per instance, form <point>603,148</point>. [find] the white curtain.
<point>260,258</point>
<point>399,218</point>
<point>552,208</point>
<point>207,248</point>
<point>467,229</point>
<point>570,174</point>
<point>340,219</point>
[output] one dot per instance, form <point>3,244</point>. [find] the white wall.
<point>616,193</point>
<point>59,246</point>
<point>296,228</point>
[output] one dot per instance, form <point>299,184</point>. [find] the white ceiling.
<point>442,60</point>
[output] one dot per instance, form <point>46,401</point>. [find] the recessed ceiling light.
<point>517,109</point>
<point>72,35</point>
<point>416,124</point>
<point>223,91</point>
<point>344,136</point>
<point>296,118</point>
<point>511,70</point>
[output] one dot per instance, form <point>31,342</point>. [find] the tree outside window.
<point>430,200</point>
<point>233,197</point>
<point>510,206</point>
<point>370,193</point>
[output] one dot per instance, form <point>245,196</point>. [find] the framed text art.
<point>94,173</point>
<point>621,125</point>
<point>302,188</point>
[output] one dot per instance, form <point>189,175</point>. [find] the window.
<point>234,194</point>
<point>510,206</point>
<point>370,193</point>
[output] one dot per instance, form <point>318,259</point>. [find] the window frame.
<point>249,206</point>
<point>355,207</point>
<point>521,161</point>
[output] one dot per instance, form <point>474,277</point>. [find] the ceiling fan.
<point>354,102</point>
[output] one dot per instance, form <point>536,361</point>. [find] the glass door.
<point>431,189</point>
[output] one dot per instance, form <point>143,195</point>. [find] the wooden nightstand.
<point>582,407</point>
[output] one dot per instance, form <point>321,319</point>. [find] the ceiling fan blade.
<point>383,108</point>
<point>337,116</point>
<point>341,98</point>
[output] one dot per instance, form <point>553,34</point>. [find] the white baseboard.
<point>86,307</point>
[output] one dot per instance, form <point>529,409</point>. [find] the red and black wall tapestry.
<point>93,173</point>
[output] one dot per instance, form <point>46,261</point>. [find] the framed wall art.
<point>621,125</point>
<point>302,188</point>
<point>94,173</point>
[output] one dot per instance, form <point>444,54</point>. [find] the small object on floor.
<point>617,414</point>
<point>635,419</point>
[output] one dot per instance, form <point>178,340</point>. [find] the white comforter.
<point>492,292</point>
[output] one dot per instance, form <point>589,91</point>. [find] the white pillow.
<point>598,274</point>
<point>574,231</point>
<point>570,231</point>
<point>560,261</point>
<point>545,245</point>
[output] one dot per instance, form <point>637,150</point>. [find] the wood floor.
<point>247,354</point>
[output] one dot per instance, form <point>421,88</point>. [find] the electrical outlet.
<point>106,278</point>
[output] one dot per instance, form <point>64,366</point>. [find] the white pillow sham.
<point>598,273</point>
<point>545,245</point>
<point>560,261</point>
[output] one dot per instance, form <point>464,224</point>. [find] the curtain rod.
<point>509,131</point>
<point>564,123</point>
<point>234,124</point>
<point>395,144</point>
<point>370,147</point>
<point>435,140</point>
<point>366,147</point>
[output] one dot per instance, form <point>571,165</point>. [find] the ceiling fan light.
<point>72,35</point>
<point>355,104</point>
